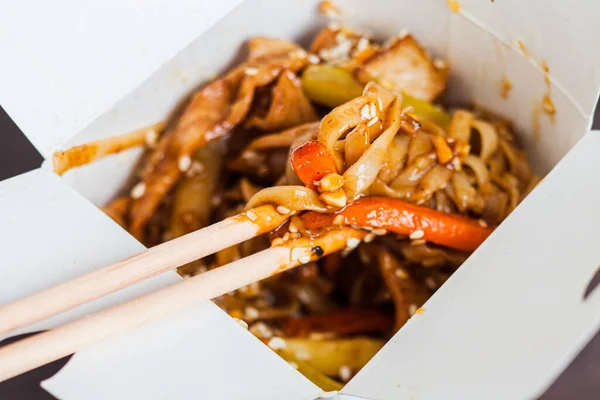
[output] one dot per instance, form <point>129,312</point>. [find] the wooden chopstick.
<point>35,351</point>
<point>144,265</point>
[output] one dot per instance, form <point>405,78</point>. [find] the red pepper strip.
<point>400,217</point>
<point>311,162</point>
<point>342,323</point>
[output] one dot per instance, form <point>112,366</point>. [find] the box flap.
<point>508,322</point>
<point>67,62</point>
<point>50,234</point>
<point>563,34</point>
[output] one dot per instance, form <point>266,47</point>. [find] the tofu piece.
<point>404,66</point>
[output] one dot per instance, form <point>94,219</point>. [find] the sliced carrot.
<point>311,162</point>
<point>400,217</point>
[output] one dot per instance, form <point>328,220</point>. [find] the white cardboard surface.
<point>65,62</point>
<point>50,234</point>
<point>465,329</point>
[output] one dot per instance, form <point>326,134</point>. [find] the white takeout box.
<point>503,327</point>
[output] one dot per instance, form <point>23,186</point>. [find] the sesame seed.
<point>293,228</point>
<point>286,236</point>
<point>184,163</point>
<point>482,223</point>
<point>283,210</point>
<point>296,253</point>
<point>197,168</point>
<point>401,273</point>
<point>352,243</point>
<point>251,313</point>
<point>345,373</point>
<point>365,112</point>
<point>277,343</point>
<point>314,59</point>
<point>373,121</point>
<point>298,54</point>
<point>304,259</point>
<point>277,242</point>
<point>335,199</point>
<point>339,220</point>
<point>251,71</point>
<point>293,364</point>
<point>362,44</point>
<point>380,104</point>
<point>251,215</point>
<point>440,64</point>
<point>151,138</point>
<point>302,355</point>
<point>243,323</point>
<point>412,309</point>
<point>369,237</point>
<point>417,234</point>
<point>261,330</point>
<point>373,108</point>
<point>430,283</point>
<point>186,276</point>
<point>379,232</point>
<point>403,34</point>
<point>138,190</point>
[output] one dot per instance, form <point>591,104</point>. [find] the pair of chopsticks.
<point>43,348</point>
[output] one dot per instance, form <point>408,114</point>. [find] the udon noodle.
<point>346,134</point>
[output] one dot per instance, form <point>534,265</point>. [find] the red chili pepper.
<point>312,161</point>
<point>400,217</point>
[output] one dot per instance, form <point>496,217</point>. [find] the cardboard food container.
<point>503,327</point>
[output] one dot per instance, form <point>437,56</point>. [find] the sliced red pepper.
<point>311,162</point>
<point>400,217</point>
<point>342,322</point>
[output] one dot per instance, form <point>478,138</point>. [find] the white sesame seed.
<point>339,220</point>
<point>365,112</point>
<point>482,223</point>
<point>440,64</point>
<point>283,210</point>
<point>138,190</point>
<point>293,364</point>
<point>373,109</point>
<point>186,276</point>
<point>373,121</point>
<point>243,323</point>
<point>297,253</point>
<point>261,330</point>
<point>302,355</point>
<point>352,243</point>
<point>417,234</point>
<point>401,273</point>
<point>369,237</point>
<point>345,373</point>
<point>380,104</point>
<point>298,54</point>
<point>197,168</point>
<point>304,259</point>
<point>286,236</point>
<point>277,343</point>
<point>379,232</point>
<point>293,228</point>
<point>251,313</point>
<point>313,59</point>
<point>412,309</point>
<point>430,283</point>
<point>151,138</point>
<point>251,71</point>
<point>362,44</point>
<point>184,163</point>
<point>277,242</point>
<point>403,34</point>
<point>418,242</point>
<point>251,215</point>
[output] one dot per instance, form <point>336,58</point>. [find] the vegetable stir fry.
<point>346,136</point>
